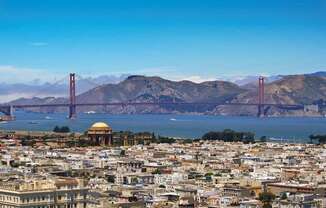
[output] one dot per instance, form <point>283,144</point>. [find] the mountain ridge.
<point>290,89</point>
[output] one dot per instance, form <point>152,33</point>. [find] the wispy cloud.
<point>192,78</point>
<point>13,74</point>
<point>149,71</point>
<point>172,73</point>
<point>198,79</point>
<point>38,44</point>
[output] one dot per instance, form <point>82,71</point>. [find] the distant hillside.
<point>9,91</point>
<point>293,89</point>
<point>319,74</point>
<point>303,89</point>
<point>151,89</point>
<point>253,80</point>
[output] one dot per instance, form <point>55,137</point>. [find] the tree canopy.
<point>168,140</point>
<point>267,199</point>
<point>321,138</point>
<point>62,129</point>
<point>229,135</point>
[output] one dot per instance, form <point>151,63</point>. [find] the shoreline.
<point>290,129</point>
<point>39,133</point>
<point>180,113</point>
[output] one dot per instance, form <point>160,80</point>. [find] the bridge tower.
<point>72,96</point>
<point>261,96</point>
<point>8,112</point>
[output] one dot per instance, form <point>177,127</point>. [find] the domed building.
<point>100,133</point>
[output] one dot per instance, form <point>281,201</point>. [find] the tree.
<point>28,141</point>
<point>187,141</point>
<point>56,129</point>
<point>63,129</point>
<point>153,136</point>
<point>228,135</point>
<point>321,138</point>
<point>208,178</point>
<point>132,199</point>
<point>263,139</point>
<point>111,178</point>
<point>266,198</point>
<point>157,171</point>
<point>267,206</point>
<point>15,164</point>
<point>284,196</point>
<point>312,137</point>
<point>167,140</point>
<point>209,174</point>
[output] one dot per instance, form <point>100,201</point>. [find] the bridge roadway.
<point>151,103</point>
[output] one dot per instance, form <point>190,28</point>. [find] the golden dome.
<point>100,126</point>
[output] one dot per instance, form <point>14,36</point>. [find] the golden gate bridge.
<point>262,106</point>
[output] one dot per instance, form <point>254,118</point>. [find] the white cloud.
<point>195,78</point>
<point>14,96</point>
<point>38,44</point>
<point>12,74</point>
<point>171,73</point>
<point>150,71</point>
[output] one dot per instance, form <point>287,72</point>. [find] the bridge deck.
<point>148,103</point>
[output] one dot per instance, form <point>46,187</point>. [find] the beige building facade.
<point>57,193</point>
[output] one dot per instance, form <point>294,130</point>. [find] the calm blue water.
<point>186,126</point>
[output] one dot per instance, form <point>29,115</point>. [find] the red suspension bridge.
<point>262,107</point>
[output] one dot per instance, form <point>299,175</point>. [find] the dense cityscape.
<point>102,168</point>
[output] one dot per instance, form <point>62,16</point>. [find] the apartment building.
<point>44,193</point>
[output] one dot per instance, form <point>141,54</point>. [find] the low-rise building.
<point>46,193</point>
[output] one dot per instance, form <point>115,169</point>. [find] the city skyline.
<point>173,39</point>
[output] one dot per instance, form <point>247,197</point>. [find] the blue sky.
<point>177,39</point>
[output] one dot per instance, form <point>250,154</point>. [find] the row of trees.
<point>320,138</point>
<point>229,135</point>
<point>161,139</point>
<point>62,129</point>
